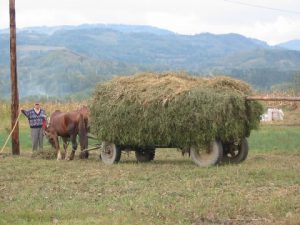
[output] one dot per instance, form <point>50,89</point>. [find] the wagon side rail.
<point>269,98</point>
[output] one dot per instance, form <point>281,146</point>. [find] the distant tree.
<point>296,83</point>
<point>1,84</point>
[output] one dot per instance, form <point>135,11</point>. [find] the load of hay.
<point>172,109</point>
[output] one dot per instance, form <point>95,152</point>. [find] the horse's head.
<point>50,135</point>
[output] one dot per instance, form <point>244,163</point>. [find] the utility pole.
<point>15,144</point>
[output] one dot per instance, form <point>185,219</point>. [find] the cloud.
<point>186,17</point>
<point>280,30</point>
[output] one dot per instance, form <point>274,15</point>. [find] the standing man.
<point>37,121</point>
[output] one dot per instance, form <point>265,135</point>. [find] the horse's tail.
<point>82,131</point>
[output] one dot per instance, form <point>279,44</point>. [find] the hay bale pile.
<point>172,109</point>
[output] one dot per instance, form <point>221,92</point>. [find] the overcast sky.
<point>273,21</point>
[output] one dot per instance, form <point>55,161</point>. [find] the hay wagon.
<point>208,118</point>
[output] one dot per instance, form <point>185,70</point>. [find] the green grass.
<point>265,189</point>
<point>275,138</point>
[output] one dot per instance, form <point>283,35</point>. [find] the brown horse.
<point>68,125</point>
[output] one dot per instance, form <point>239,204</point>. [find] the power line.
<point>262,7</point>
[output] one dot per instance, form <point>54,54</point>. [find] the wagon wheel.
<point>207,156</point>
<point>235,152</point>
<point>110,153</point>
<point>145,155</point>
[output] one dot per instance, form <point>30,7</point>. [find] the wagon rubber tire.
<point>209,156</point>
<point>110,153</point>
<point>235,152</point>
<point>145,155</point>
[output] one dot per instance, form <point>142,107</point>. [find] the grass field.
<point>265,189</point>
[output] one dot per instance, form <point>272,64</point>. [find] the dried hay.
<point>172,109</point>
<point>44,154</point>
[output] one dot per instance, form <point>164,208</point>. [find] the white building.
<point>273,114</point>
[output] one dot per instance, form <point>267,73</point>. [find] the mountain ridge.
<point>92,53</point>
<point>291,45</point>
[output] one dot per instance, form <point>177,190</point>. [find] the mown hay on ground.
<point>44,154</point>
<point>172,109</point>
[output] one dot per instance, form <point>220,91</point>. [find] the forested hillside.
<point>57,61</point>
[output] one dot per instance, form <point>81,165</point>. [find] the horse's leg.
<point>83,146</point>
<point>83,139</point>
<point>58,152</point>
<point>74,146</point>
<point>65,144</point>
